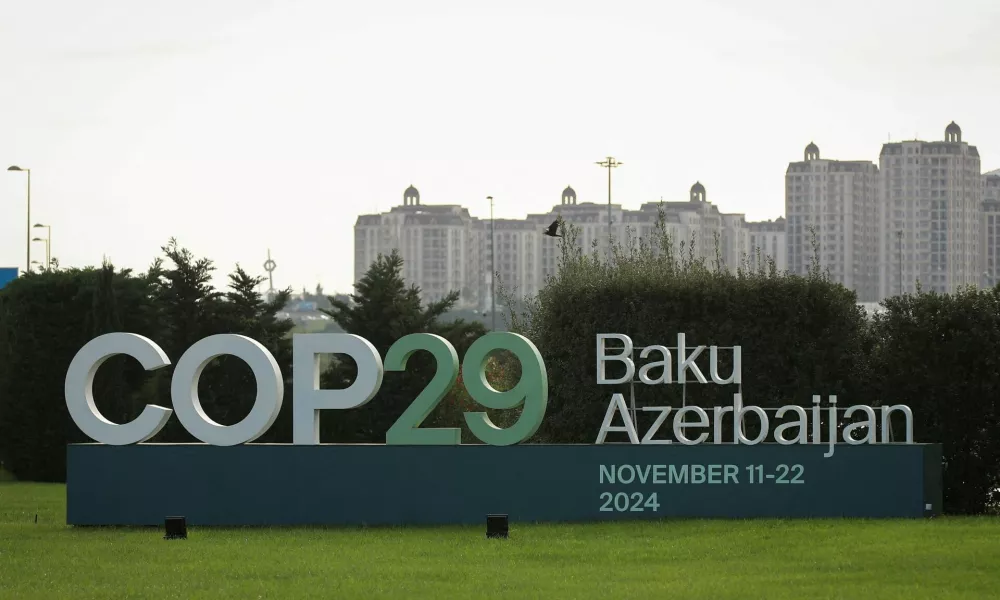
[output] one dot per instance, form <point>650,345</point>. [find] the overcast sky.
<point>243,125</point>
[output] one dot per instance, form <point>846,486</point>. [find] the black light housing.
<point>497,526</point>
<point>175,528</point>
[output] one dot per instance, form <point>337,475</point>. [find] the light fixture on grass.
<point>175,528</point>
<point>497,526</point>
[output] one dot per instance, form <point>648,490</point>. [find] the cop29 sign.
<point>424,475</point>
<point>530,393</point>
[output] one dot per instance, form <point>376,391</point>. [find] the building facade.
<point>989,231</point>
<point>444,248</point>
<point>767,244</point>
<point>831,208</point>
<point>439,245</point>
<point>931,215</point>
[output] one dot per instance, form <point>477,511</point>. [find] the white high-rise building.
<point>444,248</point>
<point>931,215</point>
<point>837,202</point>
<point>767,238</point>
<point>439,245</point>
<point>989,232</point>
<point>701,223</point>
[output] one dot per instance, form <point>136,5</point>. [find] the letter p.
<point>309,399</point>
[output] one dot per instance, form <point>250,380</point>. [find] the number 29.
<point>530,393</point>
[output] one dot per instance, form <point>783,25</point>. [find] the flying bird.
<point>553,228</point>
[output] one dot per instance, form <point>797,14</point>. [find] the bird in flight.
<point>553,228</point>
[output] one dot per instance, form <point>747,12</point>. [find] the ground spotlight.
<point>497,526</point>
<point>176,528</point>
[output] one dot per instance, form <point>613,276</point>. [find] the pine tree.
<point>187,308</point>
<point>244,311</point>
<point>109,385</point>
<point>382,310</point>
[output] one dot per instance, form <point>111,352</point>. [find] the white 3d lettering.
<point>308,398</point>
<point>622,352</point>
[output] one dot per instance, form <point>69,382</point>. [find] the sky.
<point>238,126</point>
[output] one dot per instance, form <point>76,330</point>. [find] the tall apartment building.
<point>696,221</point>
<point>989,232</point>
<point>768,242</point>
<point>700,223</point>
<point>444,248</point>
<point>837,201</point>
<point>591,221</point>
<point>440,247</point>
<point>930,217</point>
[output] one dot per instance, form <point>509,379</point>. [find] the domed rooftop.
<point>411,197</point>
<point>569,195</point>
<point>811,152</point>
<point>698,192</point>
<point>953,133</point>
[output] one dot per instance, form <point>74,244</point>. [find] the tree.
<point>938,355</point>
<point>45,318</point>
<point>382,310</point>
<point>232,385</point>
<point>799,335</point>
<point>119,386</point>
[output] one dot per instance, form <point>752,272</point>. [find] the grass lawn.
<point>943,558</point>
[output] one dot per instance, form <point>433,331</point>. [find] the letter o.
<point>187,405</point>
<point>78,389</point>
<point>631,474</point>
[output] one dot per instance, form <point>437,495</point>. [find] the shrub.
<point>800,335</point>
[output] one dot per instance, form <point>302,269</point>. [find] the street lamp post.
<point>27,260</point>
<point>493,267</point>
<point>609,163</point>
<point>48,244</point>
<point>899,242</point>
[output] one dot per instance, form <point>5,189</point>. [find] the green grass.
<point>941,558</point>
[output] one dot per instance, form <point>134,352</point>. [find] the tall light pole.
<point>48,244</point>
<point>27,260</point>
<point>609,163</point>
<point>899,253</point>
<point>493,266</point>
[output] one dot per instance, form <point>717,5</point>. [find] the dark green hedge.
<point>800,336</point>
<point>45,318</point>
<point>940,355</point>
<point>44,321</point>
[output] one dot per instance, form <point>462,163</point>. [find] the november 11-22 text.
<point>684,474</point>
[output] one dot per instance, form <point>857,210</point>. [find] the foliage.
<point>382,310</point>
<point>190,309</point>
<point>799,335</point>
<point>938,355</point>
<point>45,318</point>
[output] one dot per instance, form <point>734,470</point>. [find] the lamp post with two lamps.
<point>27,260</point>
<point>48,245</point>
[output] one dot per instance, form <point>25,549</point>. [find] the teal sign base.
<point>261,484</point>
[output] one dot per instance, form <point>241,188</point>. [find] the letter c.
<point>79,389</point>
